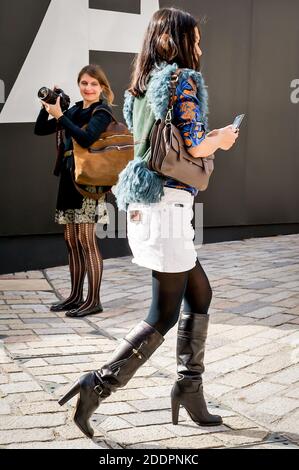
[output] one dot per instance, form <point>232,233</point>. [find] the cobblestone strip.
<point>252,371</point>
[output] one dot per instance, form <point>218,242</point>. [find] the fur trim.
<point>128,109</point>
<point>137,183</point>
<point>158,92</point>
<point>158,89</point>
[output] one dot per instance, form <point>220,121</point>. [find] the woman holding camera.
<point>76,212</point>
<point>172,42</point>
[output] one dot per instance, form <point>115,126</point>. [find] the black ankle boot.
<point>188,389</point>
<point>93,387</point>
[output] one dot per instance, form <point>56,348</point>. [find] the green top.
<point>143,121</point>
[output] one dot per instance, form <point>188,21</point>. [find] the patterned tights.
<point>84,256</point>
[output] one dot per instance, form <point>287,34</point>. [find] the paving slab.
<point>252,355</point>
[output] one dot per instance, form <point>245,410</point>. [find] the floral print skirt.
<point>91,211</point>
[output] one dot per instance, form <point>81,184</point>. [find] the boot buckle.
<point>136,352</point>
<point>99,389</point>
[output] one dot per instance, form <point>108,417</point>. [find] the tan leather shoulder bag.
<point>169,155</point>
<point>101,163</point>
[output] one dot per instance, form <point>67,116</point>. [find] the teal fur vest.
<point>136,182</point>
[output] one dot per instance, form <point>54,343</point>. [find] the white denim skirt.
<point>161,234</point>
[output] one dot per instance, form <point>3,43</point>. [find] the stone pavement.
<point>252,370</point>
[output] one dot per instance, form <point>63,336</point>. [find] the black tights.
<point>169,289</point>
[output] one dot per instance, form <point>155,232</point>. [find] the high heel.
<point>93,387</point>
<point>70,394</point>
<point>87,402</point>
<point>188,389</point>
<point>190,396</point>
<point>175,408</point>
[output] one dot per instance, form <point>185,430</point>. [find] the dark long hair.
<point>95,71</point>
<point>170,37</point>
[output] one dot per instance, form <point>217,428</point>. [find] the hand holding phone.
<point>237,121</point>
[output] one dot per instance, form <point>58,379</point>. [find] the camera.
<point>50,97</point>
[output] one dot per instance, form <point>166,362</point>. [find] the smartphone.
<point>237,121</point>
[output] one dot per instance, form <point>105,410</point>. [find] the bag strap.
<point>101,108</point>
<point>95,196</point>
<point>173,84</point>
<point>137,142</point>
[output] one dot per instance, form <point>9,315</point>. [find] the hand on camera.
<point>53,109</point>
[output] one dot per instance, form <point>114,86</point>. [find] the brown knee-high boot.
<point>188,389</point>
<point>93,387</point>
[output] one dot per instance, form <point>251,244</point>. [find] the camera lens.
<point>50,97</point>
<point>43,92</point>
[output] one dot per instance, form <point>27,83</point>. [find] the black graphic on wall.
<point>250,57</point>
